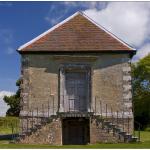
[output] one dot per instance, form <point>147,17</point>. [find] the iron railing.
<point>98,108</point>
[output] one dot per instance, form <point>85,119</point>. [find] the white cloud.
<point>54,16</point>
<point>3,93</point>
<point>142,52</point>
<point>130,21</point>
<point>6,40</point>
<point>7,4</point>
<point>3,105</point>
<point>6,35</point>
<point>86,4</point>
<point>127,20</point>
<point>70,3</point>
<point>10,50</point>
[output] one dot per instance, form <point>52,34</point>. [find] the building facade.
<point>76,85</point>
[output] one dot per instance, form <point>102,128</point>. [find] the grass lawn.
<point>7,124</point>
<point>4,130</point>
<point>145,143</point>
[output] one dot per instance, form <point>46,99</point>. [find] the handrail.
<point>139,130</point>
<point>106,111</point>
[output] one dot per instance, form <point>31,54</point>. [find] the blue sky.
<point>22,21</point>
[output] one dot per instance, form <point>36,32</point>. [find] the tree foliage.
<point>14,102</point>
<point>141,91</point>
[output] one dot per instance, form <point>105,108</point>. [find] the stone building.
<point>76,85</point>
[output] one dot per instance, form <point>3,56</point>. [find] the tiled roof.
<point>77,33</point>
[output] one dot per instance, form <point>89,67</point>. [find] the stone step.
<point>33,129</point>
<point>44,122</point>
<point>118,130</point>
<point>106,123</point>
<point>123,133</point>
<point>111,125</point>
<point>113,128</point>
<point>38,125</point>
<point>27,132</point>
<point>49,120</point>
<point>17,139</point>
<point>134,139</point>
<point>22,136</point>
<point>127,137</point>
<point>100,119</point>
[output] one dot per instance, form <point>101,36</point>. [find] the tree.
<point>14,102</point>
<point>141,91</point>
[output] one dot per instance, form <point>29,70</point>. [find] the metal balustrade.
<point>112,120</point>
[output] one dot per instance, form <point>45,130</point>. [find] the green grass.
<point>145,143</point>
<point>5,130</point>
<point>102,146</point>
<point>9,119</point>
<point>145,136</point>
<point>7,123</point>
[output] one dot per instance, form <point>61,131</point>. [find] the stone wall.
<point>98,135</point>
<point>110,81</point>
<point>50,133</point>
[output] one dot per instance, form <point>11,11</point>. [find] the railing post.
<point>37,115</point>
<point>48,109</point>
<point>53,104</point>
<point>12,128</point>
<point>68,103</point>
<point>32,118</point>
<point>64,109</point>
<point>95,105</point>
<point>27,122</point>
<point>117,117</point>
<point>101,109</point>
<point>90,106</point>
<point>17,128</point>
<point>112,114</point>
<point>134,132</point>
<point>123,119</point>
<point>64,102</point>
<point>139,129</point>
<point>128,124</point>
<point>21,126</point>
<point>43,110</point>
<point>79,103</point>
<point>106,111</point>
<point>139,135</point>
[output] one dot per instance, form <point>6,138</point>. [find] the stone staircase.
<point>36,127</point>
<point>109,127</point>
<point>120,135</point>
<point>105,122</point>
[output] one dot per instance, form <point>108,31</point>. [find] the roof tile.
<point>76,34</point>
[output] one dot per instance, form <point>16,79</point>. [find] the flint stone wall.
<point>50,133</point>
<point>109,74</point>
<point>110,81</point>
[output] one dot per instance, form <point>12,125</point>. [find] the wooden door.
<point>76,91</point>
<point>75,131</point>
